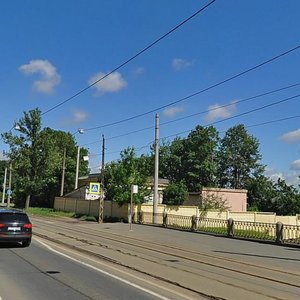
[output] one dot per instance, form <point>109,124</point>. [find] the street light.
<point>80,131</point>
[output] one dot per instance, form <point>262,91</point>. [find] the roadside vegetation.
<point>52,213</point>
<point>201,159</point>
<point>48,212</point>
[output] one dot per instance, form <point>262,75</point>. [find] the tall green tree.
<point>36,155</point>
<point>170,160</point>
<point>25,151</point>
<point>120,175</point>
<point>260,192</point>
<point>239,158</point>
<point>191,161</point>
<point>199,158</point>
<point>285,200</point>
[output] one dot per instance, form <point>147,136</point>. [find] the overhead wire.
<point>247,126</point>
<point>198,92</point>
<point>242,114</point>
<point>202,112</point>
<point>131,58</point>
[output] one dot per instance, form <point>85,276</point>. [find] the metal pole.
<point>101,201</point>
<point>130,216</point>
<point>9,185</point>
<point>63,174</point>
<point>156,166</point>
<point>4,186</point>
<point>77,167</point>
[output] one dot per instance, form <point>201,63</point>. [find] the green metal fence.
<point>279,233</point>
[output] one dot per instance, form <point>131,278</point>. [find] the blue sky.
<point>50,50</point>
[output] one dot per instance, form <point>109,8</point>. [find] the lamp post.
<point>81,131</point>
<point>77,167</point>
<point>4,186</point>
<point>63,174</point>
<point>9,185</point>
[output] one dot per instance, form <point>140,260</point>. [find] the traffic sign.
<point>94,188</point>
<point>9,192</point>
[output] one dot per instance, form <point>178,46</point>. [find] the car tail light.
<point>2,225</point>
<point>29,226</point>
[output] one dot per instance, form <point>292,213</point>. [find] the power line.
<point>233,103</point>
<point>242,114</point>
<point>199,92</point>
<point>131,58</point>
<point>248,126</point>
<point>202,112</point>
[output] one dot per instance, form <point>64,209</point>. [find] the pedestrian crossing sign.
<point>94,188</point>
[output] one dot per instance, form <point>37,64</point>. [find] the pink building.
<point>236,200</point>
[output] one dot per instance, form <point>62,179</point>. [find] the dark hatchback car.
<point>15,226</point>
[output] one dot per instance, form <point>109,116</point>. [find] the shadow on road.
<point>7,245</point>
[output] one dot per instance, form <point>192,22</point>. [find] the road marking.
<point>172,291</point>
<point>103,272</point>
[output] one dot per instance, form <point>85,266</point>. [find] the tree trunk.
<point>27,203</point>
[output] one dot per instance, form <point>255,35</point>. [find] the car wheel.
<point>26,243</point>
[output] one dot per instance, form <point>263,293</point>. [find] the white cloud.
<point>273,175</point>
<point>3,156</point>
<point>217,111</point>
<point>291,137</point>
<point>291,177</point>
<point>181,64</point>
<point>79,116</point>
<point>112,83</point>
<point>295,165</point>
<point>139,71</point>
<point>49,76</point>
<point>172,111</point>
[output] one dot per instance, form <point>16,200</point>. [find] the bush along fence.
<point>278,232</point>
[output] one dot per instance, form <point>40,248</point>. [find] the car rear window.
<point>14,217</point>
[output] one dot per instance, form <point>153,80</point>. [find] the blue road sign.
<point>94,188</point>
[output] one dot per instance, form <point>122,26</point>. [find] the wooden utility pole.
<point>156,168</point>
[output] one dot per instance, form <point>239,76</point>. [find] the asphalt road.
<point>205,264</point>
<point>41,272</point>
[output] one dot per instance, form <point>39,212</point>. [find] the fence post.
<point>279,233</point>
<point>230,227</point>
<point>194,223</point>
<point>165,219</point>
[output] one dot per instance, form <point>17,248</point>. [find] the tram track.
<point>117,242</point>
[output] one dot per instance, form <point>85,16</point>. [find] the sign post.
<point>95,188</point>
<point>134,190</point>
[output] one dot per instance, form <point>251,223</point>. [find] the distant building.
<point>236,199</point>
<point>162,184</point>
<point>83,191</point>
